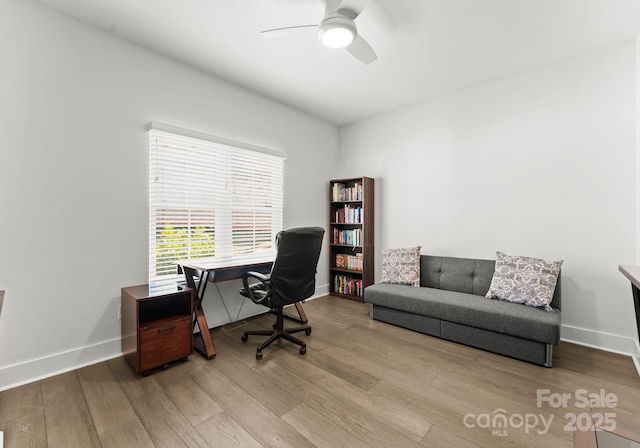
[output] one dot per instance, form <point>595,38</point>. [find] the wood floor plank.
<point>25,431</point>
<point>607,369</point>
<point>402,374</point>
<point>599,358</point>
<point>320,430</point>
<point>516,435</point>
<point>330,318</point>
<point>306,377</point>
<point>408,419</point>
<point>22,416</point>
<point>438,437</point>
<point>65,407</point>
<point>275,396</point>
<point>164,423</point>
<point>345,369</point>
<point>20,401</point>
<point>222,431</point>
<point>349,340</point>
<point>374,432</point>
<point>263,425</point>
<point>561,378</point>
<point>114,418</point>
<point>230,341</point>
<point>186,395</point>
<point>131,434</point>
<point>340,306</point>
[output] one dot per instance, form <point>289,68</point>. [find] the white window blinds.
<point>210,197</point>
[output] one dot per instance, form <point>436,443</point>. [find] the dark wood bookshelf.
<point>351,212</point>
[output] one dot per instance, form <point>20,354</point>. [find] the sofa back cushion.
<point>456,274</point>
<point>464,275</point>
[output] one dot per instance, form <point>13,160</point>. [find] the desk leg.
<point>636,305</point>
<point>302,317</point>
<point>204,343</point>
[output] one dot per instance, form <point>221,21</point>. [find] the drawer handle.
<point>166,330</point>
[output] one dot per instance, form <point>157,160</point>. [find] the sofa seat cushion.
<point>468,309</point>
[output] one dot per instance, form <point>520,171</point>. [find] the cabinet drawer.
<point>165,342</point>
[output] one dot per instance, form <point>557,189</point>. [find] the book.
<point>342,193</point>
<point>348,285</point>
<point>351,262</point>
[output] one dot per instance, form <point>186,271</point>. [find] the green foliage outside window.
<point>180,243</point>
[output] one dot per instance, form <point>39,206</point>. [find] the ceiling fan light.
<point>337,32</point>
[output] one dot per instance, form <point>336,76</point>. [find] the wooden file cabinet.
<point>156,325</point>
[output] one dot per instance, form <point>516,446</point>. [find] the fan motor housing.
<point>337,31</point>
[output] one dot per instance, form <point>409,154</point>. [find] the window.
<point>210,197</point>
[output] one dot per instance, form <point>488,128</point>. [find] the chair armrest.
<point>258,292</point>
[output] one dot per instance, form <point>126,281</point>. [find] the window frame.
<point>242,186</point>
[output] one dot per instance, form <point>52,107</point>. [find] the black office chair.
<point>292,279</point>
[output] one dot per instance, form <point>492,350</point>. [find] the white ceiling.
<point>425,47</point>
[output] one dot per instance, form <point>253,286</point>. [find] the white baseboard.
<point>47,366</point>
<point>602,341</point>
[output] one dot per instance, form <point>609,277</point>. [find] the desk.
<point>211,270</point>
<point>633,275</point>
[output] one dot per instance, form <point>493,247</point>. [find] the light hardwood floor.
<point>361,384</point>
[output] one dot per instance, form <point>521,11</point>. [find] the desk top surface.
<point>632,273</point>
<point>213,264</point>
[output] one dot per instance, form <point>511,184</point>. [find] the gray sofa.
<point>450,304</point>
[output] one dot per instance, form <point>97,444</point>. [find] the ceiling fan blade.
<point>352,8</point>
<point>289,31</point>
<point>331,6</point>
<point>362,51</point>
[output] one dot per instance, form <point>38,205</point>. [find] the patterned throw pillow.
<point>530,281</point>
<point>401,266</point>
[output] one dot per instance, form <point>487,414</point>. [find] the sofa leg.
<point>371,311</point>
<point>548,361</point>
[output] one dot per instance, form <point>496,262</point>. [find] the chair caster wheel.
<point>307,332</point>
<point>165,366</point>
<point>303,349</point>
<point>244,337</point>
<point>258,355</point>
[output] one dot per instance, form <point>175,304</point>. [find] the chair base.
<point>278,332</point>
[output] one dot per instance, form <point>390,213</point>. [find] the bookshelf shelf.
<point>346,271</point>
<point>351,210</point>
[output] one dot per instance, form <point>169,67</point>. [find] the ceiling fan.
<point>336,30</point>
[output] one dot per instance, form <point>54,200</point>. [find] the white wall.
<point>74,103</point>
<point>636,348</point>
<point>539,164</point>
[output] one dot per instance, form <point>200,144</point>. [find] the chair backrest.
<point>293,275</point>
